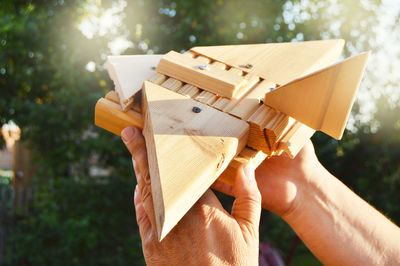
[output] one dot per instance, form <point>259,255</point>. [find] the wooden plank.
<point>247,155</point>
<point>128,73</point>
<point>215,80</point>
<point>295,139</point>
<point>172,84</point>
<point>189,90</point>
<point>204,143</point>
<point>221,103</point>
<point>157,78</point>
<point>257,138</point>
<point>110,116</point>
<point>112,96</point>
<point>250,102</point>
<point>277,62</point>
<point>322,100</point>
<point>206,97</point>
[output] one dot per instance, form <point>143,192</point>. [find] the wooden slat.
<point>203,142</point>
<point>220,103</point>
<point>189,90</point>
<point>158,78</point>
<point>112,96</point>
<point>206,97</point>
<point>215,80</point>
<point>257,138</point>
<point>295,139</point>
<point>247,155</point>
<point>172,84</point>
<point>250,102</point>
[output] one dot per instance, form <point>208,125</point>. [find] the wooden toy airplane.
<point>211,108</point>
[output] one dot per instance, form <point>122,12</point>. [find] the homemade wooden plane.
<point>206,111</point>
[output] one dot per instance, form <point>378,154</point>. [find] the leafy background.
<point>52,71</point>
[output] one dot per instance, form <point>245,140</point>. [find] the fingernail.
<point>127,134</point>
<point>134,164</point>
<point>249,171</point>
<point>136,192</point>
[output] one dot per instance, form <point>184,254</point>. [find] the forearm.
<point>339,227</point>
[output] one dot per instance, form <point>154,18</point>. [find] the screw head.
<point>271,89</point>
<point>196,109</point>
<point>204,67</point>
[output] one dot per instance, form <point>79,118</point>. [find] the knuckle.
<point>145,193</point>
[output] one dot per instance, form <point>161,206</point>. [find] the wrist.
<point>312,180</point>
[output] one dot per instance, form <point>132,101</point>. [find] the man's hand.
<point>207,234</point>
<point>281,179</point>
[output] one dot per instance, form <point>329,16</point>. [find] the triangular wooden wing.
<point>322,100</point>
<point>277,62</point>
<point>187,150</point>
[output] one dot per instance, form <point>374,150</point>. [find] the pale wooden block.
<point>157,78</point>
<point>206,97</point>
<point>128,73</point>
<point>295,139</point>
<point>112,96</point>
<point>203,142</point>
<point>221,103</point>
<point>250,102</point>
<point>189,90</point>
<point>172,84</point>
<point>247,155</point>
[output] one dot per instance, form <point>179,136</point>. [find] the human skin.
<point>338,226</point>
<point>207,234</point>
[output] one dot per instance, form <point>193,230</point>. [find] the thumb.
<point>246,208</point>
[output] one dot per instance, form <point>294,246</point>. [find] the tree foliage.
<point>47,90</point>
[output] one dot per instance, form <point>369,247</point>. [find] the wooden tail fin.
<point>322,100</point>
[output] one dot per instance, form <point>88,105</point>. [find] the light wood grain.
<point>276,62</point>
<point>215,80</point>
<point>204,143</point>
<point>295,139</point>
<point>110,116</point>
<point>322,100</point>
<point>128,73</point>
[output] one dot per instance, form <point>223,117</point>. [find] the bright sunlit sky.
<point>383,65</point>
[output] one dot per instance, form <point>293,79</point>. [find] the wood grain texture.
<point>246,155</point>
<point>203,142</point>
<point>128,73</point>
<point>216,80</point>
<point>110,116</point>
<point>295,138</point>
<point>276,62</point>
<point>322,100</point>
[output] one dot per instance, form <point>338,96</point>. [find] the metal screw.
<point>196,109</point>
<point>248,66</point>
<point>153,68</point>
<point>204,67</point>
